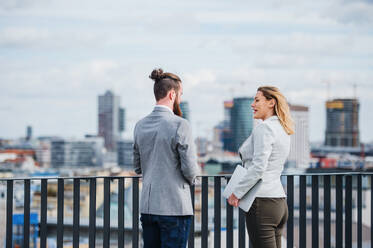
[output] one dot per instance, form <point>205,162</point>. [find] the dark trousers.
<point>265,222</point>
<point>165,231</point>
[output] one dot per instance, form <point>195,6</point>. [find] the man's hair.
<point>164,82</point>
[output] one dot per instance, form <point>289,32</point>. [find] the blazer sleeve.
<point>264,138</point>
<point>136,155</point>
<point>187,152</point>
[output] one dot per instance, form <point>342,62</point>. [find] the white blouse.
<point>264,154</point>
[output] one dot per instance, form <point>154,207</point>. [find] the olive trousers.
<point>265,222</point>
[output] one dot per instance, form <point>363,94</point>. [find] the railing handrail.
<point>202,176</point>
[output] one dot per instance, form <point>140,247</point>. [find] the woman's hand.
<point>233,200</point>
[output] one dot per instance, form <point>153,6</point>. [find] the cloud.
<point>16,4</point>
<point>42,38</point>
<point>352,12</point>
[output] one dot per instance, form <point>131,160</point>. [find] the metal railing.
<point>343,185</point>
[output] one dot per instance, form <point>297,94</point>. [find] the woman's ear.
<point>272,103</point>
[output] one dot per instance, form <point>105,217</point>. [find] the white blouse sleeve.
<point>263,141</point>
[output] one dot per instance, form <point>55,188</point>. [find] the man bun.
<point>157,74</point>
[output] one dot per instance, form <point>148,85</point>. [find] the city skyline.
<point>56,57</point>
<point>27,128</point>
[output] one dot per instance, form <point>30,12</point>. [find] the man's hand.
<point>233,200</point>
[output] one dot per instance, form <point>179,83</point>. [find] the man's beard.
<point>177,109</point>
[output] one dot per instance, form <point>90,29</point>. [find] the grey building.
<point>227,134</point>
<point>342,123</point>
<point>29,133</point>
<point>111,120</point>
<point>77,153</point>
<point>184,106</point>
<point>241,120</point>
<point>125,152</point>
<point>122,117</point>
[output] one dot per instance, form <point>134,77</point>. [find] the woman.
<point>264,154</point>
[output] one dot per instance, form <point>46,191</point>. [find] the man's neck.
<point>164,106</point>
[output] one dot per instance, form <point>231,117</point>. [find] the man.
<point>164,153</point>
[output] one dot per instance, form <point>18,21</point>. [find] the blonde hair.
<point>281,108</point>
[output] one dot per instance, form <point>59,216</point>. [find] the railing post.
<point>327,212</point>
<point>76,213</point>
<point>348,212</point>
<point>92,212</point>
<point>135,211</point>
<point>26,214</point>
<point>205,219</point>
<point>315,211</point>
<point>302,212</point>
<point>121,213</point>
<point>106,212</point>
<point>217,212</point>
<point>191,232</point>
<point>229,218</point>
<point>43,213</point>
<point>241,228</point>
<point>9,214</point>
<point>339,211</point>
<point>359,212</point>
<point>371,210</point>
<point>60,210</point>
<point>290,222</point>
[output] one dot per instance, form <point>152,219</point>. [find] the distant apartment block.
<point>125,152</point>
<point>87,152</point>
<point>342,123</point>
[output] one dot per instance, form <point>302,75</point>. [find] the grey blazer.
<point>165,155</point>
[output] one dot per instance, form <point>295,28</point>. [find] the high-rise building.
<point>125,153</point>
<point>228,105</point>
<point>342,123</point>
<point>29,133</point>
<point>227,134</point>
<point>184,106</point>
<point>111,120</point>
<point>122,117</point>
<point>299,155</point>
<point>77,153</point>
<point>241,121</point>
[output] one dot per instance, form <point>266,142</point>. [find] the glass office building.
<point>241,120</point>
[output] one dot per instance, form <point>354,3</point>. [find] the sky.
<point>56,57</point>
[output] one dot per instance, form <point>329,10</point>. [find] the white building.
<point>43,152</point>
<point>299,156</point>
